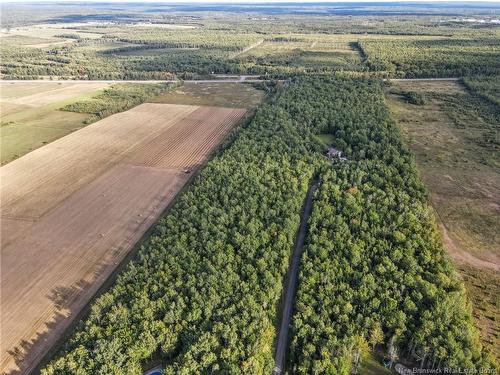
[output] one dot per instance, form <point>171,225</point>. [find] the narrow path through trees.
<point>291,284</point>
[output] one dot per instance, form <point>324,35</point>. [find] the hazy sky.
<point>269,2</point>
<point>240,1</point>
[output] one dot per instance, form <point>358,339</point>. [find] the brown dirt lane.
<point>82,203</point>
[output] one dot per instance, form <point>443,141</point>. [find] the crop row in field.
<point>71,210</point>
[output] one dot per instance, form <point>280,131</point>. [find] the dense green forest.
<point>374,261</point>
<point>202,294</point>
<point>455,57</point>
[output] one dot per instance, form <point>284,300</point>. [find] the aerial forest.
<point>374,272</point>
<point>202,294</point>
<point>237,141</point>
<point>280,49</point>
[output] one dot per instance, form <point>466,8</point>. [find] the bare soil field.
<point>73,209</point>
<point>30,115</point>
<point>188,141</point>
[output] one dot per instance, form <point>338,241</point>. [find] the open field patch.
<point>34,184</point>
<point>11,108</point>
<point>58,42</point>
<point>19,138</point>
<point>33,41</point>
<point>44,93</point>
<point>51,31</point>
<point>235,95</point>
<point>56,90</point>
<point>142,51</point>
<point>453,138</point>
<point>458,166</point>
<point>87,198</point>
<point>309,51</point>
<point>30,115</point>
<point>30,41</point>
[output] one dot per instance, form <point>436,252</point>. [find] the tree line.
<point>117,98</point>
<point>486,87</point>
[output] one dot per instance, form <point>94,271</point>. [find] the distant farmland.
<point>30,115</point>
<point>71,211</point>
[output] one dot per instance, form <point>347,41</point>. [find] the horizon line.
<point>267,3</point>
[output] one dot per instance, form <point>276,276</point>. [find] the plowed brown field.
<point>74,208</point>
<point>187,142</point>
